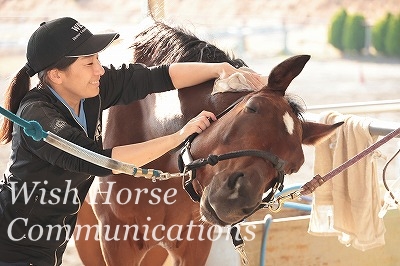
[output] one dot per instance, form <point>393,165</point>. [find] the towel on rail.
<point>348,204</point>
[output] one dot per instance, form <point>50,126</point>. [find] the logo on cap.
<point>79,28</point>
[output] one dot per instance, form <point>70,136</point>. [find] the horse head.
<point>266,122</point>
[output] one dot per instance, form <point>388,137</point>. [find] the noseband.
<point>188,166</point>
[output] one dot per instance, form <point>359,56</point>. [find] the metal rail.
<point>359,107</point>
<point>377,127</point>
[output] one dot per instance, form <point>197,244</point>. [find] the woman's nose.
<point>99,69</point>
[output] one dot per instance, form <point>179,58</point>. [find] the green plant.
<point>379,32</point>
<point>392,39</point>
<point>354,33</point>
<point>335,31</point>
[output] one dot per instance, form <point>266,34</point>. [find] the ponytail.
<point>17,89</point>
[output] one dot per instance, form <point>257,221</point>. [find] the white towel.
<point>237,82</point>
<point>348,204</point>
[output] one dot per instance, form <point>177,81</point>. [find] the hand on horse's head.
<point>255,80</point>
<point>198,124</point>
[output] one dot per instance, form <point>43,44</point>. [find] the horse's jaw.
<point>208,214</point>
<point>231,197</point>
<point>217,215</point>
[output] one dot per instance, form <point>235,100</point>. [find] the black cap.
<point>63,37</point>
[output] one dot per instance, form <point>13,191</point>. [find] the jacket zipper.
<point>98,114</point>
<point>30,211</point>
<point>80,204</point>
<point>73,116</point>
<point>55,251</point>
<point>65,240</point>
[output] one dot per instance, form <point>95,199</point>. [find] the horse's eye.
<point>252,105</point>
<point>250,109</point>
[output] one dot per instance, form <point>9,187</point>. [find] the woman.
<point>43,186</point>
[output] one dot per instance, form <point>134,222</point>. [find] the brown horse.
<point>261,131</point>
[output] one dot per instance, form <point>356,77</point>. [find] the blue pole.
<point>263,251</point>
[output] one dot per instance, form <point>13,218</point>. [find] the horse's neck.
<point>161,114</point>
<point>173,109</point>
<point>167,112</point>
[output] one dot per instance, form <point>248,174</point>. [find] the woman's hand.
<point>188,74</point>
<point>142,153</point>
<point>197,124</point>
<point>254,79</point>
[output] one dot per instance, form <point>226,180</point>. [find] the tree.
<point>392,39</point>
<point>379,32</point>
<point>335,31</point>
<point>354,33</point>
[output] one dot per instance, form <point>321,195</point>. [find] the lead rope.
<point>35,130</point>
<point>276,204</point>
<point>238,243</point>
<point>384,176</point>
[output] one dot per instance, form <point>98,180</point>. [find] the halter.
<point>187,166</point>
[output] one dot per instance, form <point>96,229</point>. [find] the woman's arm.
<point>142,153</point>
<point>187,74</point>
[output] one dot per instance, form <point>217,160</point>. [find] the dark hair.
<point>17,90</point>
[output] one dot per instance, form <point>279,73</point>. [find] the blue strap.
<point>31,128</point>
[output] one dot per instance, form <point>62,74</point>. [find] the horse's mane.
<point>164,44</point>
<point>167,44</point>
<point>297,104</point>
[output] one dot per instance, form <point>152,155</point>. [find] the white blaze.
<point>289,123</point>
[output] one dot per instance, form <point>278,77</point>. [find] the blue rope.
<point>31,128</point>
<point>34,129</point>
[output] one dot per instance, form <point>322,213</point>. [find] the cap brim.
<point>95,44</point>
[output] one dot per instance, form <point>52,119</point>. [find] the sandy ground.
<point>327,79</point>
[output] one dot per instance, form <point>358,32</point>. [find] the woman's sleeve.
<point>52,121</point>
<point>133,82</point>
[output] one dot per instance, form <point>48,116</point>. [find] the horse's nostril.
<point>233,179</point>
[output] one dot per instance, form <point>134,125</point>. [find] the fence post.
<point>367,38</point>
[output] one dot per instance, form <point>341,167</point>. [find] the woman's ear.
<point>54,76</point>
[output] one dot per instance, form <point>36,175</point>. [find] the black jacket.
<point>35,226</point>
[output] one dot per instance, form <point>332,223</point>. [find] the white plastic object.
<point>389,201</point>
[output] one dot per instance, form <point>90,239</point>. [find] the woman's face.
<point>81,79</point>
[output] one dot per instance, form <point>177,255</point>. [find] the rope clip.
<point>276,204</point>
<point>243,255</point>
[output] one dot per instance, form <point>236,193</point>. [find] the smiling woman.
<point>78,81</point>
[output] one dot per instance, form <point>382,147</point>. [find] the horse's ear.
<point>316,132</point>
<point>281,76</point>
